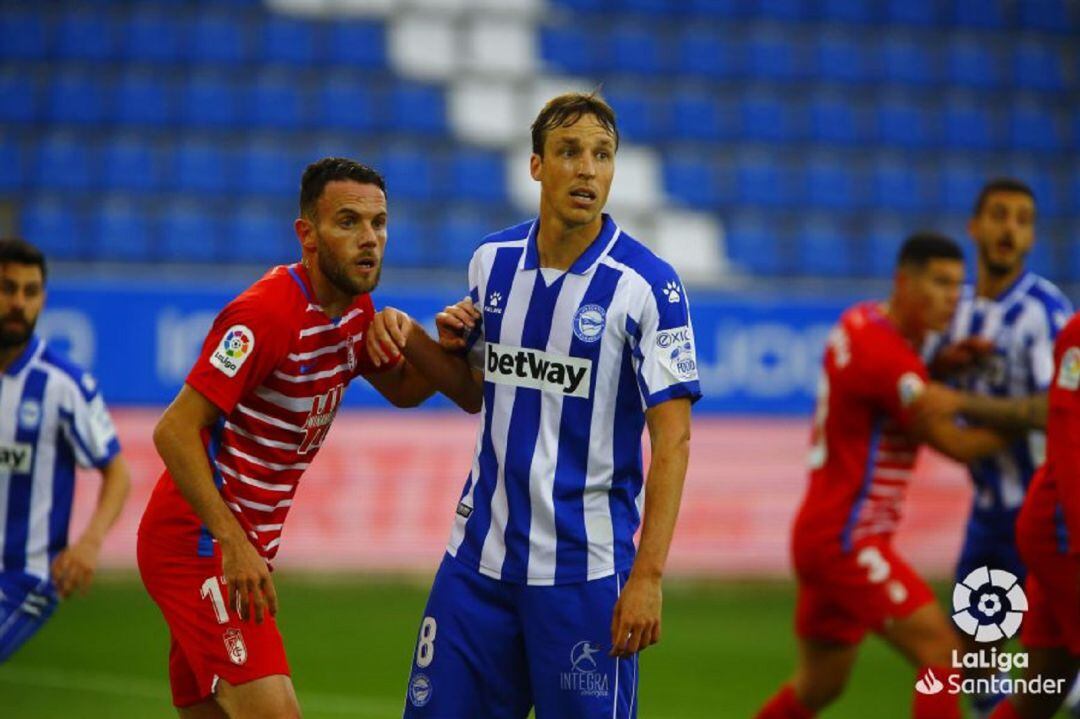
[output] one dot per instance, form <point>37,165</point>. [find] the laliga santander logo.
<point>989,605</point>
<point>929,684</point>
<point>236,344</point>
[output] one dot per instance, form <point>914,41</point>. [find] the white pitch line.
<point>135,686</point>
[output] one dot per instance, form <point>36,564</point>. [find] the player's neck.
<point>332,300</point>
<point>991,285</point>
<point>909,329</point>
<point>10,354</point>
<point>559,245</point>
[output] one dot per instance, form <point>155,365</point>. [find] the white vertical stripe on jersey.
<point>41,488</point>
<point>9,407</point>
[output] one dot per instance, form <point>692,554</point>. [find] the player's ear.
<point>305,232</point>
<point>534,166</point>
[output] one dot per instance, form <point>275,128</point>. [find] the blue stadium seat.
<point>210,100</point>
<point>713,8</point>
<point>908,61</point>
<point>767,118</point>
<point>661,8</point>
<point>259,233</point>
<point>773,55</point>
<point>762,181</point>
<point>833,120</point>
<point>119,230</point>
<point>475,174</point>
<point>842,58</point>
<point>1051,15</point>
<point>357,44</point>
<point>188,233</point>
<point>585,6</point>
<point>922,13</point>
<point>65,162</point>
<point>960,185</point>
<point>12,172</point>
<point>203,167</point>
<point>407,240</point>
<point>786,11</point>
<point>418,108</point>
<point>1033,127</point>
<point>570,49</point>
<point>883,240</point>
<point>970,126</point>
<point>824,249</point>
<point>896,185</point>
<point>348,103</point>
<point>20,96</point>
<point>697,115</point>
<point>85,35</point>
<point>978,14</point>
<point>970,62</point>
<point>457,236</point>
<point>219,38</point>
<point>1042,260</point>
<point>142,98</point>
<point>1072,248</point>
<point>1048,188</point>
<point>275,100</point>
<point>410,173</point>
<point>1038,66</point>
<point>131,165</point>
<point>641,118</point>
<point>54,226</point>
<point>25,34</point>
<point>703,51</point>
<point>848,11</point>
<point>753,245</point>
<point>269,169</point>
<point>831,184</point>
<point>155,35</point>
<point>637,49</point>
<point>906,125</point>
<point>77,97</point>
<point>289,41</point>
<point>692,179</point>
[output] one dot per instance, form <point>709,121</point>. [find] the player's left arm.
<point>74,567</point>
<point>635,623</point>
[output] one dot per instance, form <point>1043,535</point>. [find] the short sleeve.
<point>664,356</point>
<point>893,377</point>
<point>474,343</point>
<point>244,345</point>
<point>88,426</point>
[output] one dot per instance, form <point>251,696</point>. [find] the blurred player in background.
<point>999,349</point>
<point>871,417</point>
<point>52,417</point>
<point>253,413</point>
<point>1048,535</point>
<point>584,338</point>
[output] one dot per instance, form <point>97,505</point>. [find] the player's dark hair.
<point>568,108</point>
<point>921,247</point>
<point>1000,184</point>
<point>318,174</point>
<point>21,252</point>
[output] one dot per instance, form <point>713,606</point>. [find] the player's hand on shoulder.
<point>635,623</point>
<point>455,323</point>
<point>73,568</point>
<point>387,335</point>
<point>960,356</point>
<point>251,590</point>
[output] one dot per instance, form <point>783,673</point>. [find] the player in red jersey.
<point>254,411</point>
<point>871,417</point>
<point>1048,535</point>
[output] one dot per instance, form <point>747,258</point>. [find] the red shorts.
<point>1053,581</point>
<point>842,595</point>
<point>209,640</point>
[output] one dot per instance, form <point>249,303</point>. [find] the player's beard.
<point>1000,268</point>
<point>14,338</point>
<point>337,272</point>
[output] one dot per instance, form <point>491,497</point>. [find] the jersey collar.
<point>584,264</point>
<point>1017,288</point>
<point>24,359</point>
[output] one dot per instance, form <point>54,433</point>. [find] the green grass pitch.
<point>726,647</point>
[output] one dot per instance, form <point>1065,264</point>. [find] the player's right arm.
<point>964,444</point>
<point>178,440</point>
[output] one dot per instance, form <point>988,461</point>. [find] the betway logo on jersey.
<point>16,457</point>
<point>545,371</point>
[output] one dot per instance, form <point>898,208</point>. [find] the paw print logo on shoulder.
<point>673,292</point>
<point>494,302</point>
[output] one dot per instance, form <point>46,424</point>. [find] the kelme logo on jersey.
<point>585,676</point>
<point>545,371</point>
<point>16,457</point>
<point>236,346</point>
<point>492,306</point>
<point>1069,374</point>
<point>589,323</point>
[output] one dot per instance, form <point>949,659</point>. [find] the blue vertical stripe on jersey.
<point>476,528</point>
<point>626,479</point>
<point>63,494</point>
<point>20,484</point>
<point>303,288</point>
<point>524,427</point>
<point>868,479</point>
<point>572,464</point>
<point>1061,530</point>
<point>978,317</point>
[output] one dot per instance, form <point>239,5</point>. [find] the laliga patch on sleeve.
<point>235,347</point>
<point>1069,374</point>
<point>675,350</point>
<point>910,386</point>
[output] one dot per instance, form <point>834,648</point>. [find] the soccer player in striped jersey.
<point>52,417</point>
<point>251,417</point>
<point>583,340</point>
<point>872,415</point>
<point>999,351</point>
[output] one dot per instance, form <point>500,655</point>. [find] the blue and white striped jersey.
<point>571,362</point>
<point>1023,323</point>
<point>52,416</point>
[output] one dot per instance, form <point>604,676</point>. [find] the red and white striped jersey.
<point>862,454</point>
<point>276,366</point>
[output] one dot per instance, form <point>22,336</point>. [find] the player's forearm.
<point>115,487</point>
<point>663,495</point>
<point>1010,414</point>
<point>182,451</point>
<point>963,444</point>
<point>447,372</point>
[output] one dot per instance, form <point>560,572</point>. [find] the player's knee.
<point>817,690</point>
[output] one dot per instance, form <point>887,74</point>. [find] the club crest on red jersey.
<point>317,424</point>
